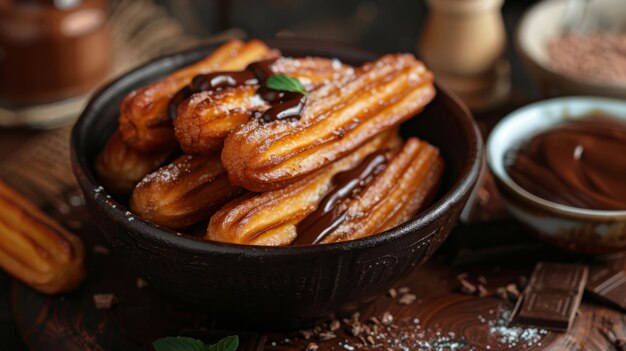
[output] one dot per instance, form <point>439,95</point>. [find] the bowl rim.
<point>504,178</point>
<point>120,213</point>
<point>546,67</point>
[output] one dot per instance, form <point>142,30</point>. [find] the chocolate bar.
<point>551,299</point>
<point>608,283</point>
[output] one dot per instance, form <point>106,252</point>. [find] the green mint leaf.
<point>229,343</point>
<point>285,83</point>
<point>181,343</point>
<point>178,343</point>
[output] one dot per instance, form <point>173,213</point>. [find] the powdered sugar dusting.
<point>169,173</point>
<point>512,335</point>
<point>386,332</point>
<point>336,63</point>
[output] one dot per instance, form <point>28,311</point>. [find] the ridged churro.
<point>270,218</point>
<point>144,121</point>
<point>120,167</point>
<point>184,192</point>
<point>337,118</point>
<point>411,177</point>
<point>36,249</point>
<point>207,117</point>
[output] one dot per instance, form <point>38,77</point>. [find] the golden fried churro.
<point>337,118</point>
<point>184,192</point>
<point>120,167</point>
<point>36,249</point>
<point>144,122</point>
<point>409,180</point>
<point>207,117</point>
<point>270,218</point>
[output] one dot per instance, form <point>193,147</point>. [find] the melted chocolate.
<point>291,108</point>
<point>285,104</point>
<point>346,185</point>
<point>579,163</point>
<point>220,80</point>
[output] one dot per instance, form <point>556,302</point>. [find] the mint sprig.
<point>285,83</point>
<point>181,343</point>
<point>229,343</point>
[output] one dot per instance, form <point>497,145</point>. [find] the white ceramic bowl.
<point>575,229</point>
<point>541,24</point>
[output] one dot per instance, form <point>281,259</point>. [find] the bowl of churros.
<point>276,182</point>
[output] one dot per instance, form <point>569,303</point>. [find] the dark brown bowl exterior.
<point>284,286</point>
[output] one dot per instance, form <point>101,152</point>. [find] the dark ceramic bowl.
<point>277,285</point>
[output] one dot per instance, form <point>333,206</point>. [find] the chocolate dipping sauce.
<point>578,163</point>
<point>51,50</point>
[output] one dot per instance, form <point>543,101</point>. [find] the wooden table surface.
<point>31,321</point>
<point>441,315</point>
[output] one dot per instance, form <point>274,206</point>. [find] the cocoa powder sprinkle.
<point>596,56</point>
<point>104,301</point>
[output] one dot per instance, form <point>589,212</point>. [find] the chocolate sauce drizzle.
<point>285,105</point>
<point>329,215</point>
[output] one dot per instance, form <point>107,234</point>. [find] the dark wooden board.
<point>71,322</point>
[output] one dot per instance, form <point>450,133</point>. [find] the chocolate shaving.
<point>482,291</point>
<point>467,287</point>
<point>482,280</point>
<point>387,318</point>
<point>328,335</point>
<point>141,283</point>
<point>356,329</point>
<point>512,291</point>
<point>104,301</point>
<point>608,283</point>
<point>392,293</point>
<point>502,294</point>
<point>306,334</point>
<point>404,290</point>
<point>407,299</point>
<point>463,275</point>
<point>101,250</point>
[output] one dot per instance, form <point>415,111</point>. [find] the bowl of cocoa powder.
<point>584,55</point>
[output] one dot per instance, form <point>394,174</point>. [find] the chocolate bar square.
<point>552,297</point>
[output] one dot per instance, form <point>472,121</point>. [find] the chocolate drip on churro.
<point>329,214</point>
<point>285,108</point>
<point>285,104</point>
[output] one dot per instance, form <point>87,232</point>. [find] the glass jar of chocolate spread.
<point>52,49</point>
<point>579,163</point>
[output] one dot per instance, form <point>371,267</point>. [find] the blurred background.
<point>378,25</point>
<point>53,53</point>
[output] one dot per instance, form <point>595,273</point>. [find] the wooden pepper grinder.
<point>463,43</point>
<point>52,49</point>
